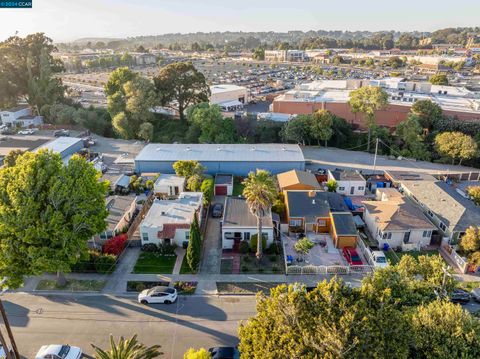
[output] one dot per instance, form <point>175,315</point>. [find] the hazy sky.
<point>71,19</point>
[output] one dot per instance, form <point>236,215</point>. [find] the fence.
<point>145,207</point>
<point>335,269</point>
<point>449,252</point>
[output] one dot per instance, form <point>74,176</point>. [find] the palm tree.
<point>260,192</point>
<point>127,349</point>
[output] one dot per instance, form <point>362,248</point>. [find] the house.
<point>297,180</point>
<point>223,185</point>
<point>394,221</point>
<point>350,183</point>
<point>121,212</point>
<point>20,116</point>
<point>168,221</point>
<point>321,212</point>
<point>442,202</point>
<point>236,159</point>
<point>169,184</point>
<point>240,224</point>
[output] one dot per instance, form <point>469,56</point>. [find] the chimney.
<point>313,201</point>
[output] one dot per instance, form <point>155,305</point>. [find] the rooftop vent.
<point>219,148</point>
<point>187,149</point>
<point>313,201</point>
<point>253,148</point>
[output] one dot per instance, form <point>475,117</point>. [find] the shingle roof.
<point>347,176</point>
<point>224,179</point>
<point>169,230</point>
<point>237,214</point>
<point>294,177</point>
<point>344,224</point>
<point>221,152</point>
<point>301,203</point>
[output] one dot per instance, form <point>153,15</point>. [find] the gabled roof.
<point>237,214</point>
<point>295,177</point>
<point>169,230</point>
<point>347,176</point>
<point>314,204</point>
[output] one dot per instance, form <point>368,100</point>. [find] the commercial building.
<point>333,95</point>
<point>65,146</point>
<point>168,221</point>
<point>229,97</point>
<point>444,202</point>
<point>20,116</point>
<point>239,224</point>
<point>236,159</point>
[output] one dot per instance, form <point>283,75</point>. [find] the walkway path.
<point>180,252</point>
<point>116,281</point>
<point>212,244</point>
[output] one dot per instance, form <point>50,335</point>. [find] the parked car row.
<point>462,296</point>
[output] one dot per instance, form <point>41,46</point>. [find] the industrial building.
<point>236,159</point>
<point>333,95</point>
<point>65,146</point>
<point>228,97</point>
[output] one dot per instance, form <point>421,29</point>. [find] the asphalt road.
<point>191,322</point>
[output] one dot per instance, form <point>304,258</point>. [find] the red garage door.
<point>220,190</point>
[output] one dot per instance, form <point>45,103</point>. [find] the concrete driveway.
<point>212,243</point>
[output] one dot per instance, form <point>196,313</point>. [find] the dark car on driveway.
<point>460,296</point>
<point>217,210</point>
<point>224,353</point>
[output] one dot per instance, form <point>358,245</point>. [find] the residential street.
<point>191,322</point>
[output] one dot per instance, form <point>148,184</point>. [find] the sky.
<point>65,20</point>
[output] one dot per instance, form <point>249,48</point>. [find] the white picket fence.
<point>334,269</point>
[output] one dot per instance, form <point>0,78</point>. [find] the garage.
<point>223,185</point>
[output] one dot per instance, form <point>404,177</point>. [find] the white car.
<point>26,132</point>
<point>166,295</point>
<point>56,351</point>
<point>379,259</point>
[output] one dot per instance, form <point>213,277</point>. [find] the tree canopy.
<point>427,111</point>
<point>48,211</point>
<point>213,127</point>
<point>127,349</point>
<point>456,146</point>
<point>182,83</point>
<point>193,172</point>
<point>321,126</point>
<point>438,79</point>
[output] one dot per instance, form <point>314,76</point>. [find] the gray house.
<point>236,159</point>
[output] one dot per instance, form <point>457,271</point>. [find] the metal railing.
<point>332,270</point>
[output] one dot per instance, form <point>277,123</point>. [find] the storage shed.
<point>223,185</point>
<point>236,159</point>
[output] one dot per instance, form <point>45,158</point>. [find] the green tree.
<point>202,353</point>
<point>304,245</point>
<point>49,212</point>
<point>207,188</point>
<point>321,126</point>
<point>473,192</point>
<point>470,241</point>
<point>332,185</point>
<point>182,83</point>
<point>214,128</point>
<point>260,193</point>
<point>297,130</point>
<point>428,112</point>
<point>411,133</point>
<point>367,100</point>
<point>11,158</point>
<point>193,172</point>
<point>438,79</point>
<point>259,54</point>
<point>445,330</point>
<point>127,349</point>
<point>456,145</point>
<point>194,245</point>
<point>146,131</point>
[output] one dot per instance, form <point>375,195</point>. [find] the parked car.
<point>352,256</point>
<point>476,294</point>
<point>379,259</point>
<point>29,131</point>
<point>217,210</point>
<point>59,351</point>
<point>460,296</point>
<point>62,132</point>
<point>224,353</point>
<point>160,294</point>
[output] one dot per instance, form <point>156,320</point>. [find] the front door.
<point>406,237</point>
<point>352,190</point>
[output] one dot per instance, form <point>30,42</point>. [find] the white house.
<point>20,116</point>
<point>239,224</point>
<point>169,184</point>
<point>396,222</point>
<point>168,221</point>
<point>228,97</point>
<point>350,183</point>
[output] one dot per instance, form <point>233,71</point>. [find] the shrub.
<point>150,247</point>
<point>105,263</point>
<point>166,249</point>
<point>244,247</point>
<point>244,268</point>
<point>140,286</point>
<point>247,259</point>
<point>115,245</point>
<point>253,242</point>
<point>273,258</point>
<point>275,269</point>
<point>273,249</point>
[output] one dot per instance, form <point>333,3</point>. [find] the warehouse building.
<point>236,159</point>
<point>229,97</point>
<point>65,146</point>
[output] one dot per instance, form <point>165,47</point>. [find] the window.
<point>187,235</point>
<point>145,237</point>
<point>322,222</point>
<point>430,213</point>
<point>442,226</point>
<point>361,188</point>
<point>427,234</point>
<point>295,222</point>
<point>387,235</point>
<point>246,236</point>
<point>341,188</point>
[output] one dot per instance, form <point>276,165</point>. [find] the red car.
<point>352,256</point>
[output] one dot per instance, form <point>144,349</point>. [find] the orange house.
<point>296,180</point>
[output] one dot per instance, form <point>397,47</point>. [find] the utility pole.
<point>9,331</point>
<point>375,157</point>
<point>8,355</point>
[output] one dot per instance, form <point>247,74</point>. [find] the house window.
<point>430,213</point>
<point>427,234</point>
<point>361,188</point>
<point>387,235</point>
<point>322,222</point>
<point>341,188</point>
<point>187,235</point>
<point>145,237</point>
<point>246,236</point>
<point>295,222</point>
<point>442,226</point>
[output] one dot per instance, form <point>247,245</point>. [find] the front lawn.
<point>392,256</point>
<point>73,285</point>
<point>185,268</point>
<point>268,264</point>
<point>245,287</point>
<point>149,262</point>
<point>237,187</point>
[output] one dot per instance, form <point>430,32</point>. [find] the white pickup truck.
<point>379,259</point>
